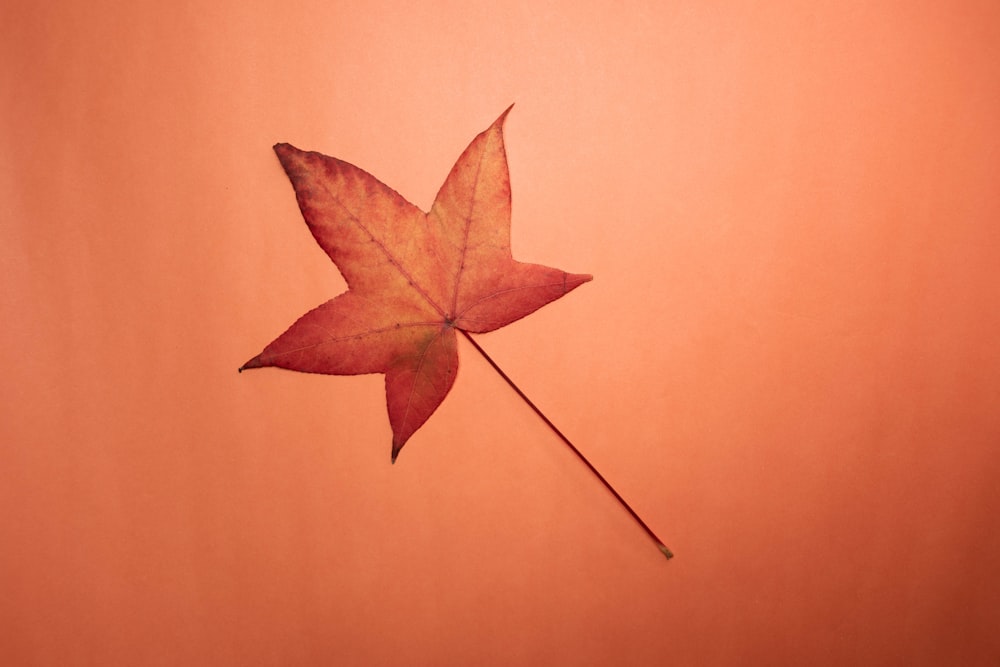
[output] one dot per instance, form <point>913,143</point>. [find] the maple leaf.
<point>414,279</point>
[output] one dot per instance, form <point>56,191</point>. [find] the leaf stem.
<point>649,531</point>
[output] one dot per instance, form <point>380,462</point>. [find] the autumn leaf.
<point>414,279</point>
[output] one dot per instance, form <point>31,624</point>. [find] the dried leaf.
<point>413,278</point>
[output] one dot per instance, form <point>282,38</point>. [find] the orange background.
<point>787,361</point>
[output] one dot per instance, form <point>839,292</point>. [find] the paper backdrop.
<point>787,360</point>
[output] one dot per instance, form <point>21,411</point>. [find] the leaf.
<point>413,278</point>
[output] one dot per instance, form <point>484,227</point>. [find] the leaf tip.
<point>395,451</point>
<point>284,151</point>
<point>573,280</point>
<point>499,121</point>
<point>253,363</point>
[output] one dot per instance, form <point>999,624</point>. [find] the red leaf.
<point>413,278</point>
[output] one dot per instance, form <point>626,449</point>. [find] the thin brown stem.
<point>649,531</point>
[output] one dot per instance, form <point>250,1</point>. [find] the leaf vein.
<point>391,257</point>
